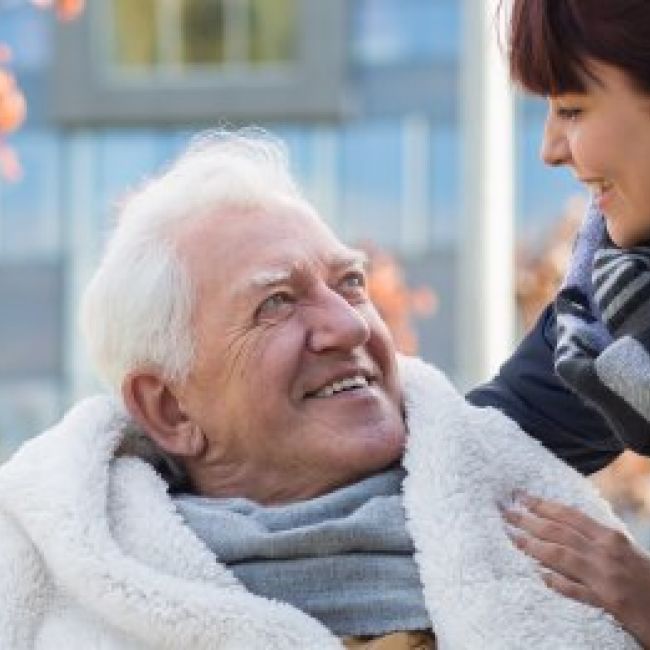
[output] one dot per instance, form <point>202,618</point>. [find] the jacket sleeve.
<point>528,390</point>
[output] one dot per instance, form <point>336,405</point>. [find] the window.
<point>31,295</point>
<point>182,34</point>
<point>30,227</point>
<point>393,32</point>
<point>27,33</point>
<point>201,60</point>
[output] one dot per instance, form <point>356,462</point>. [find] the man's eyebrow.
<point>268,278</point>
<point>353,257</point>
<point>271,277</point>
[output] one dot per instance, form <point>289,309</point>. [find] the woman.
<point>581,379</point>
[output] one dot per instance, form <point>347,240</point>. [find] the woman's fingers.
<point>588,562</point>
<point>557,557</point>
<point>549,530</point>
<point>572,517</point>
<point>571,589</point>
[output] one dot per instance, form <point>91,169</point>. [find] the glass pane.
<point>30,224</point>
<point>387,32</point>
<point>372,181</point>
<point>26,408</point>
<point>273,30</point>
<point>134,33</point>
<point>125,157</point>
<point>28,34</point>
<point>202,31</point>
<point>31,320</point>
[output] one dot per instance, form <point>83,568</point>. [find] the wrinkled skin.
<point>282,310</point>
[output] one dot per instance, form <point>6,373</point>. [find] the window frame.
<point>86,92</point>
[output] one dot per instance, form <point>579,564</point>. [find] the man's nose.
<point>555,149</point>
<point>336,324</point>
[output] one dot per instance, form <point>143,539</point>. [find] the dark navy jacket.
<point>528,390</point>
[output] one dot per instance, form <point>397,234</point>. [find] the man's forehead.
<point>260,248</point>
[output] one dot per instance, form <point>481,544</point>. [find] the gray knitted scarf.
<point>603,330</point>
<point>345,558</point>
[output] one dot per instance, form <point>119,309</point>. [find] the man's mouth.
<point>351,383</point>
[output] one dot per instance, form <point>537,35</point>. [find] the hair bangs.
<point>546,52</point>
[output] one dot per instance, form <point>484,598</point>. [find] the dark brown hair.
<point>551,41</point>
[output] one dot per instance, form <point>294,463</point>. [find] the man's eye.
<point>354,282</point>
<point>274,303</point>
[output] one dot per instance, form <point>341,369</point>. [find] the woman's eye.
<point>274,303</point>
<point>568,113</point>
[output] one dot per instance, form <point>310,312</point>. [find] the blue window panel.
<point>126,158</point>
<point>371,183</point>
<point>170,144</point>
<point>26,408</point>
<point>28,32</point>
<point>298,140</point>
<point>445,182</point>
<point>29,209</point>
<point>387,32</point>
<point>542,192</point>
<point>31,319</point>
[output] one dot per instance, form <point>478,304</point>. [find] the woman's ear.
<point>152,403</point>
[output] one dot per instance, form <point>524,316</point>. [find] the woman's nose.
<point>555,149</point>
<point>336,324</point>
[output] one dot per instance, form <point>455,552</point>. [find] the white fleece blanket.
<point>481,592</point>
<point>93,555</point>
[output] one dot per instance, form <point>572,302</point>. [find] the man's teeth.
<point>358,381</point>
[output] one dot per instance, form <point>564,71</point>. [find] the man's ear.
<point>154,406</point>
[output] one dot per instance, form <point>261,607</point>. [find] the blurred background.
<point>401,128</point>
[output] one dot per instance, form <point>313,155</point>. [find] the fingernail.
<point>524,498</point>
<point>519,496</point>
<point>513,535</point>
<point>546,575</point>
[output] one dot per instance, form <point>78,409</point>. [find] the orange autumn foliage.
<point>13,108</point>
<point>12,103</point>
<point>396,302</point>
<point>65,9</point>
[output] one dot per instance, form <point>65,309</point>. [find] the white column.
<point>486,313</point>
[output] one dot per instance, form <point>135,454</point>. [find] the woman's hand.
<point>587,561</point>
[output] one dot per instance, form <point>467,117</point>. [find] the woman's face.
<point>603,134</point>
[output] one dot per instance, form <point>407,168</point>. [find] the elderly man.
<point>248,486</point>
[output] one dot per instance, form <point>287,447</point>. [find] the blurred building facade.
<point>365,93</point>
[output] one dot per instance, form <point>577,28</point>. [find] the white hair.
<point>137,310</point>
